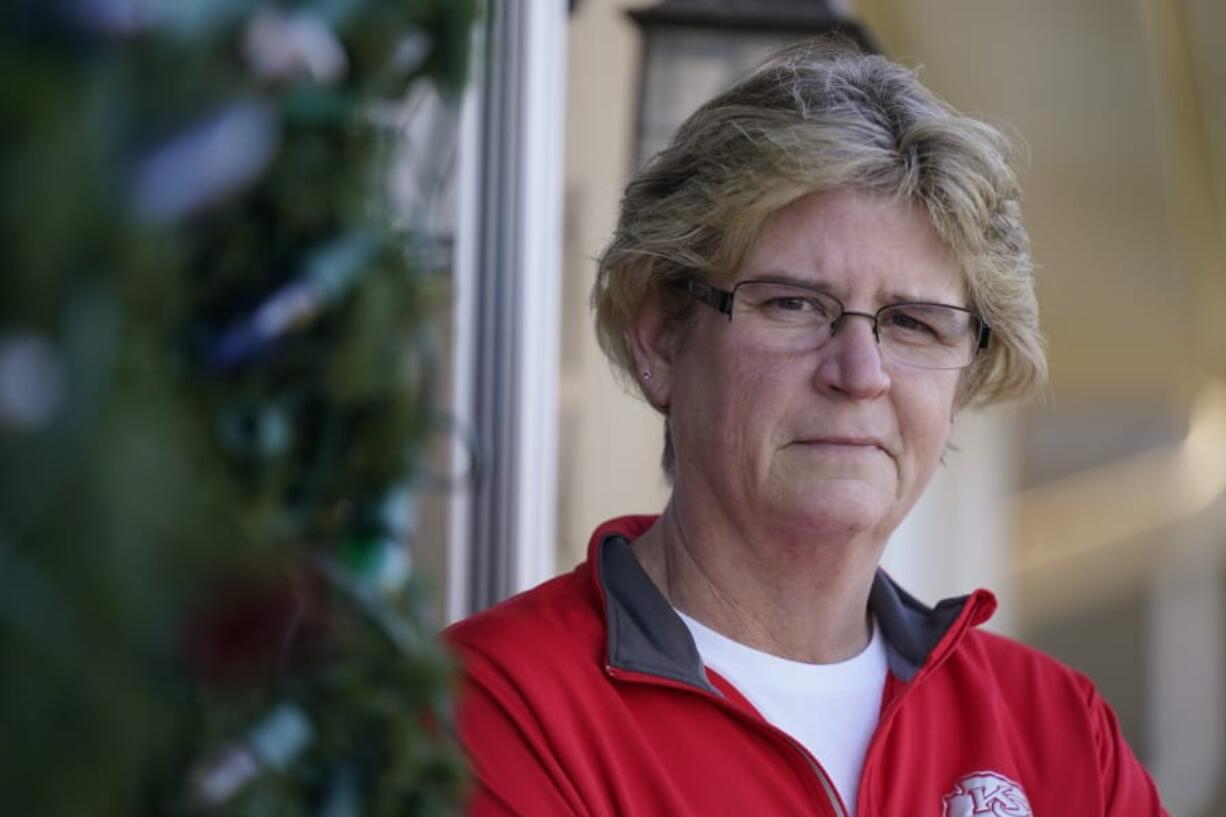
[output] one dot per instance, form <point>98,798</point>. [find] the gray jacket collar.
<point>646,636</point>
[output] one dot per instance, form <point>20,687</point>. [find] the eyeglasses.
<point>789,317</point>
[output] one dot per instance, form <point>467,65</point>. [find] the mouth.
<point>848,444</point>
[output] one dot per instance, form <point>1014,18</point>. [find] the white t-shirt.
<point>831,709</point>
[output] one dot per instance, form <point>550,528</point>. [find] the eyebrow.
<point>893,297</point>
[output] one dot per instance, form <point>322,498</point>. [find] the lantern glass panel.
<point>684,67</point>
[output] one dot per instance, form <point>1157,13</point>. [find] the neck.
<point>799,596</point>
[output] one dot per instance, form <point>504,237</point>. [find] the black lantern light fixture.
<point>693,49</point>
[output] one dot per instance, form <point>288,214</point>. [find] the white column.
<point>508,266</point>
<point>1187,650</point>
<point>958,537</point>
<point>539,196</point>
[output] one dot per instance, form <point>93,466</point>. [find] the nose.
<point>851,359</point>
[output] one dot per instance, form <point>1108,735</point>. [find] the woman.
<point>825,265</point>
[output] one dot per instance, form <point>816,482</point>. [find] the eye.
<point>798,306</point>
<point>908,323</point>
<point>793,303</point>
<point>786,303</point>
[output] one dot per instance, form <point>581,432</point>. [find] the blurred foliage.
<point>215,368</point>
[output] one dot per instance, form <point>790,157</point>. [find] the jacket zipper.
<point>954,635</point>
<point>882,726</point>
<point>832,794</point>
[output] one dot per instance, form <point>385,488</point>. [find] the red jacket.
<point>586,696</point>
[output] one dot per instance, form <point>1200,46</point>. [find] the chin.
<point>835,508</point>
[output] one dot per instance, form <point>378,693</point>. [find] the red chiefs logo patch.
<point>989,794</point>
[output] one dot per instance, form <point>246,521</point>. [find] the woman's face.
<point>835,440</point>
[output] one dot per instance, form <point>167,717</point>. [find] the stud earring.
<point>647,374</point>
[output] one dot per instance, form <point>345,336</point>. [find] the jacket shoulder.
<point>1063,723</point>
<point>1009,658</point>
<point>1018,678</point>
<point>560,615</point>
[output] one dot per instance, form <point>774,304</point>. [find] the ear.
<point>650,338</point>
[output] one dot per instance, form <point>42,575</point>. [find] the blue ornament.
<point>210,162</point>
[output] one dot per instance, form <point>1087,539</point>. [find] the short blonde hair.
<point>821,115</point>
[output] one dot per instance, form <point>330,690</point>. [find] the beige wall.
<point>1074,80</point>
<point>610,441</point>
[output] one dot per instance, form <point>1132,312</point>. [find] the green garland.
<point>215,374</point>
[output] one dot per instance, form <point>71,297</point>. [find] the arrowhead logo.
<point>989,794</point>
